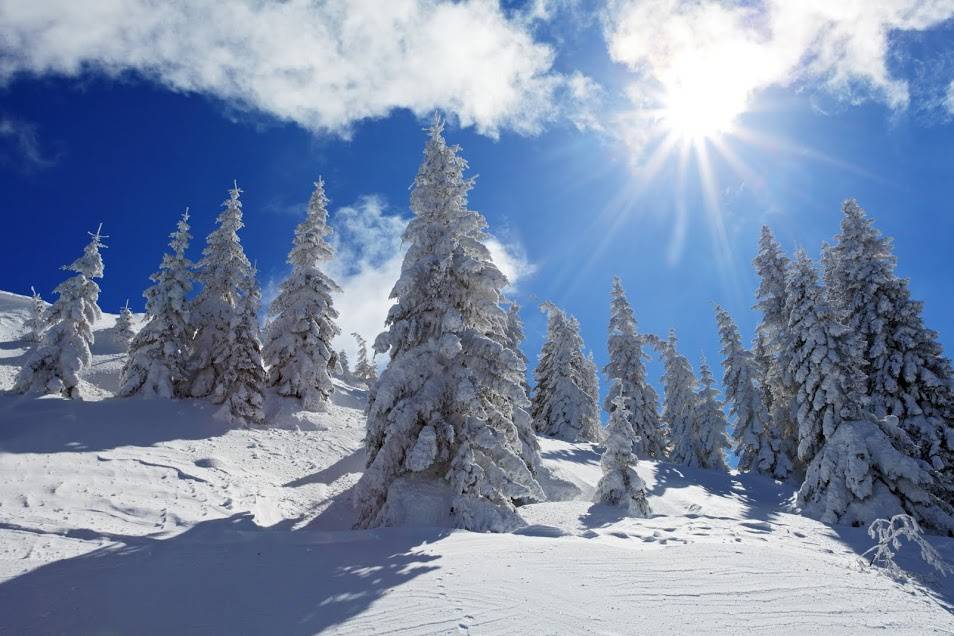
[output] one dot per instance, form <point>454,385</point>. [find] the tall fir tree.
<point>771,265</point>
<point>124,327</point>
<point>54,366</point>
<point>906,372</point>
<point>515,336</point>
<point>751,432</point>
<point>223,272</point>
<point>298,347</point>
<point>627,372</point>
<point>710,425</point>
<point>860,467</point>
<point>441,440</point>
<point>679,404</point>
<point>157,362</point>
<point>620,485</point>
<point>37,322</point>
<point>565,404</point>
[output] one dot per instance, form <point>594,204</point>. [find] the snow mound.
<point>151,517</point>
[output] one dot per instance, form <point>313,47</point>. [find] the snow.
<point>151,517</point>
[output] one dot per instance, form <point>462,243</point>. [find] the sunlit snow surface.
<point>135,516</point>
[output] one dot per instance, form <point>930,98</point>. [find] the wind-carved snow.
<point>151,516</point>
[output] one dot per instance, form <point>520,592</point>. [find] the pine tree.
<point>54,366</point>
<point>298,348</point>
<point>223,271</point>
<point>771,265</point>
<point>364,370</point>
<point>564,403</point>
<point>627,372</point>
<point>752,429</point>
<point>441,437</point>
<point>679,404</point>
<point>860,467</point>
<point>243,376</point>
<point>156,365</point>
<point>515,337</point>
<point>37,322</point>
<point>344,366</point>
<point>709,423</point>
<point>123,329</point>
<point>620,485</point>
<point>906,372</point>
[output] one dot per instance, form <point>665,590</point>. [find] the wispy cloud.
<point>20,145</point>
<point>324,65</point>
<point>950,98</point>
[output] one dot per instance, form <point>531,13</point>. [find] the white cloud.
<point>324,65</point>
<point>950,98</point>
<point>24,144</point>
<point>737,49</point>
<point>368,256</point>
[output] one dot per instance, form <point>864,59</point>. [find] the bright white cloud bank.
<point>737,48</point>
<point>367,263</point>
<point>324,65</point>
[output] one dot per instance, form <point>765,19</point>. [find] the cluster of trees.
<point>844,389</point>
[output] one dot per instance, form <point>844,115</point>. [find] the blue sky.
<point>110,115</point>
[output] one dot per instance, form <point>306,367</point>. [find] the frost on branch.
<point>442,444</point>
<point>156,364</point>
<point>620,485</point>
<point>54,366</point>
<point>627,371</point>
<point>565,400</point>
<point>298,339</point>
<point>888,535</point>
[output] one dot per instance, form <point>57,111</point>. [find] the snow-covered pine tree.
<point>364,370</point>
<point>243,372</point>
<point>124,327</point>
<point>752,430</point>
<point>54,366</point>
<point>441,442</point>
<point>223,271</point>
<point>158,354</point>
<point>37,322</point>
<point>679,404</point>
<point>860,467</point>
<point>771,265</point>
<point>344,365</point>
<point>515,338</point>
<point>907,374</point>
<point>709,423</point>
<point>627,373</point>
<point>620,485</point>
<point>298,339</point>
<point>564,404</point>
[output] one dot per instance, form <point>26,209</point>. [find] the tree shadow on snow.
<point>576,455</point>
<point>50,424</point>
<point>353,463</point>
<point>221,576</point>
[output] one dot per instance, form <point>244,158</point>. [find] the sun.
<point>700,105</point>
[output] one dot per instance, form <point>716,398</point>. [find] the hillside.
<point>135,516</point>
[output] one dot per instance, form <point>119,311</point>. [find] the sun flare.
<point>700,106</point>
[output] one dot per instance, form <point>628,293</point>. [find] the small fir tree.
<point>37,322</point>
<point>620,485</point>
<point>124,327</point>
<point>364,370</point>
<point>158,354</point>
<point>709,423</point>
<point>243,378</point>
<point>54,366</point>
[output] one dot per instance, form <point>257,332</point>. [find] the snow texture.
<point>55,364</point>
<point>298,348</point>
<point>451,392</point>
<point>158,354</point>
<point>627,373</point>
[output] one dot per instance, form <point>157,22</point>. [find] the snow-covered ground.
<point>136,516</point>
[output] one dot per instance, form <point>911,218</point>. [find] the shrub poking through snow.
<point>442,445</point>
<point>888,534</point>
<point>620,485</point>
<point>54,366</point>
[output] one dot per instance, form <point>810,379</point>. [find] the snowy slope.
<point>135,516</point>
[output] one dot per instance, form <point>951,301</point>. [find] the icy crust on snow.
<point>151,516</point>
